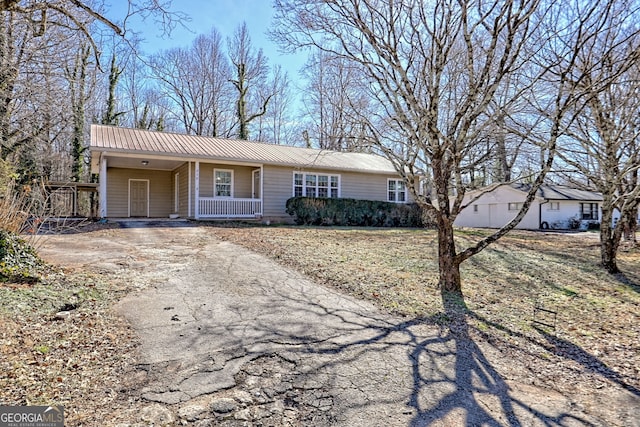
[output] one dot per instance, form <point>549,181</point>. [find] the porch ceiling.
<point>137,163</point>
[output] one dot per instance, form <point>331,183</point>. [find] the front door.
<point>139,197</point>
<point>256,184</point>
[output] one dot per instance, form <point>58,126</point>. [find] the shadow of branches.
<point>450,381</point>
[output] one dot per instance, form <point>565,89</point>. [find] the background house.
<point>554,207</point>
<point>156,174</point>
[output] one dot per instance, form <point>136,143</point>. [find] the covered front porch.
<point>139,186</point>
<point>224,191</point>
<point>216,208</point>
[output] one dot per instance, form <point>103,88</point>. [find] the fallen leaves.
<point>77,362</point>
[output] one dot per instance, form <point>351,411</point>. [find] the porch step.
<point>154,222</point>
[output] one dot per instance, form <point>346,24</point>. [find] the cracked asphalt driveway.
<point>229,337</point>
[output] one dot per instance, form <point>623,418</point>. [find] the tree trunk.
<point>609,242</point>
<point>448,263</point>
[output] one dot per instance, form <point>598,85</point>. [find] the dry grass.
<point>14,209</point>
<point>598,315</point>
<point>80,362</point>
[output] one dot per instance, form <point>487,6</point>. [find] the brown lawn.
<point>596,315</point>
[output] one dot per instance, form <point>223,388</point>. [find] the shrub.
<point>352,212</point>
<point>18,260</point>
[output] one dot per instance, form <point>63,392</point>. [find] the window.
<point>334,187</point>
<point>475,208</point>
<point>298,185</point>
<point>310,182</point>
<point>589,211</point>
<point>323,186</point>
<point>316,185</point>
<point>554,206</point>
<point>397,191</point>
<point>515,206</point>
<point>223,183</point>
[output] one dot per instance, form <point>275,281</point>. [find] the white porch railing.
<point>210,207</point>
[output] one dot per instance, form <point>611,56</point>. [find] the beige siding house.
<point>157,174</point>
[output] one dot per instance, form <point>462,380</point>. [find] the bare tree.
<point>77,77</point>
<point>111,114</point>
<point>334,102</point>
<point>196,80</point>
<point>77,17</point>
<point>15,50</point>
<point>605,137</point>
<point>142,104</point>
<point>39,40</point>
<point>433,69</point>
<point>36,127</point>
<point>275,125</point>
<point>250,72</point>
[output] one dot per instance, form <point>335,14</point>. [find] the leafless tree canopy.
<point>457,94</point>
<point>444,75</point>
<point>602,143</point>
<point>80,17</point>
<point>39,66</point>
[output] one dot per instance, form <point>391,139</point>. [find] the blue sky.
<point>225,15</point>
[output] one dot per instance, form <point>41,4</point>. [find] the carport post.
<point>103,186</point>
<point>197,187</point>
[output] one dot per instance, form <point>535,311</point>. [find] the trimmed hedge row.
<point>366,213</point>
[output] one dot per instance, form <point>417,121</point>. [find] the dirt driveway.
<point>231,338</point>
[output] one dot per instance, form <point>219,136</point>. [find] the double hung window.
<point>316,185</point>
<point>396,191</point>
<point>223,183</point>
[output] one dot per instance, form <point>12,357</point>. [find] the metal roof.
<point>124,141</point>
<point>561,192</point>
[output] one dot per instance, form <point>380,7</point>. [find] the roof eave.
<point>234,160</point>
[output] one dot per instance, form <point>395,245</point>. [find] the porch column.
<point>189,191</point>
<point>197,187</point>
<point>102,191</point>
<point>262,190</point>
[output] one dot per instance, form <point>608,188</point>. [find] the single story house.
<point>159,174</point>
<point>554,207</point>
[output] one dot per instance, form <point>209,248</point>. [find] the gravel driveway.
<point>231,338</point>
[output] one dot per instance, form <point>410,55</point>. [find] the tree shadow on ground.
<point>437,369</point>
<point>627,281</point>
<point>567,350</point>
<point>472,393</point>
<point>477,391</point>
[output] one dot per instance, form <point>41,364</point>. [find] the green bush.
<point>352,212</point>
<point>18,260</point>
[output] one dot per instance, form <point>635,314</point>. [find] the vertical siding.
<point>160,196</point>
